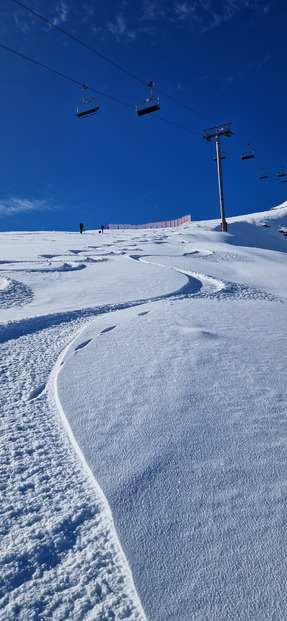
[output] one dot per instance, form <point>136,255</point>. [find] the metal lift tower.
<point>216,132</point>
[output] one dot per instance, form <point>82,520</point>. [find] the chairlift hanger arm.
<point>84,93</point>
<point>249,154</point>
<point>143,107</point>
<point>151,85</point>
<point>87,107</point>
<point>281,173</point>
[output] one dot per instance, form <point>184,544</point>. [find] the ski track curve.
<point>197,286</point>
<point>204,286</point>
<point>60,556</point>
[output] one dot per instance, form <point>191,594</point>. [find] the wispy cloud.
<point>199,14</point>
<point>184,10</point>
<point>61,15</point>
<point>251,67</point>
<point>228,9</point>
<point>119,28</point>
<point>153,9</point>
<point>14,205</point>
<point>213,16</point>
<point>23,23</point>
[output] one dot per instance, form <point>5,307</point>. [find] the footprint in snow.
<point>47,256</point>
<point>108,329</point>
<point>36,392</point>
<point>81,345</point>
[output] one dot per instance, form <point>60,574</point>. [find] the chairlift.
<point>149,105</point>
<point>223,156</point>
<point>249,154</point>
<point>281,173</point>
<point>87,106</point>
<point>263,175</point>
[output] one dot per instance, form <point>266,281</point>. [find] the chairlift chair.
<point>87,106</point>
<point>263,175</point>
<point>223,156</point>
<point>249,154</point>
<point>148,105</point>
<point>281,173</point>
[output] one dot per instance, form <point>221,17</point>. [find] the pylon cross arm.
<point>218,130</point>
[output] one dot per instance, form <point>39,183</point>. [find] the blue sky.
<point>224,60</point>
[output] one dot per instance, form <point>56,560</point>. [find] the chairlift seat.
<point>222,157</point>
<point>247,156</point>
<point>83,110</point>
<point>147,109</point>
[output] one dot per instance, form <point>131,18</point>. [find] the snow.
<point>143,436</point>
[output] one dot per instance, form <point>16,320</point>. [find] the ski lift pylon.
<point>148,105</point>
<point>263,175</point>
<point>281,173</point>
<point>87,106</point>
<point>249,154</point>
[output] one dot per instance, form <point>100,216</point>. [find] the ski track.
<point>14,293</point>
<point>55,521</point>
<point>52,505</point>
<point>218,257</point>
<point>198,286</point>
<point>64,267</point>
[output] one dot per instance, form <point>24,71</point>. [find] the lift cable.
<point>132,75</point>
<point>255,150</point>
<point>160,118</point>
<point>180,103</point>
<point>91,49</point>
<point>36,62</point>
<point>62,75</point>
<point>88,47</point>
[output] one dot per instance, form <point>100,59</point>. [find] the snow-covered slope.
<point>144,441</point>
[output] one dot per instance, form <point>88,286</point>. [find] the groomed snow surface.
<point>143,457</point>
